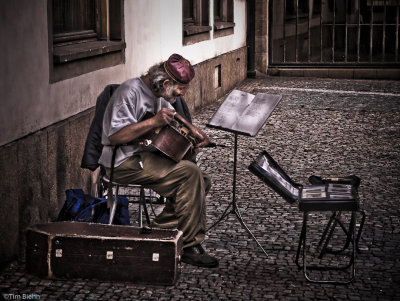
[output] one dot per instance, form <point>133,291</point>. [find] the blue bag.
<point>81,207</point>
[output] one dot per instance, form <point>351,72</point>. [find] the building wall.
<point>43,125</point>
<point>153,31</point>
<point>261,36</point>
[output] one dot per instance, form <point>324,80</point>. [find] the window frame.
<point>223,18</point>
<point>196,27</point>
<point>76,53</point>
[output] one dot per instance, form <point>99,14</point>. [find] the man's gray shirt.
<point>128,105</point>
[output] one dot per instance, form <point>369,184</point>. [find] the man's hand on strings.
<point>163,117</point>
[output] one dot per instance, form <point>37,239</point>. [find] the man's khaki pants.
<point>183,183</point>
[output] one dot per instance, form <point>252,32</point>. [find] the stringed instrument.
<point>175,140</point>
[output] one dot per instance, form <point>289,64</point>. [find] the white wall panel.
<point>153,31</point>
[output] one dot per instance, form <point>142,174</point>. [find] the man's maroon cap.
<point>179,69</point>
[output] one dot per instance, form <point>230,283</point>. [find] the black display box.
<point>329,196</point>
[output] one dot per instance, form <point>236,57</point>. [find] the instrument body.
<point>171,142</point>
<point>174,140</point>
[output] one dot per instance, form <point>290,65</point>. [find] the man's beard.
<point>169,94</point>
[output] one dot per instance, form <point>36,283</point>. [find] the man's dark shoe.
<point>197,256</point>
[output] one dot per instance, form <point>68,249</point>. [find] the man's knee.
<point>191,169</point>
<point>194,174</point>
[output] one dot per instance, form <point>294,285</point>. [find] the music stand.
<point>245,114</point>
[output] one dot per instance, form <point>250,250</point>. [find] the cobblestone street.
<point>321,127</point>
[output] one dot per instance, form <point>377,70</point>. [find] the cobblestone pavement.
<point>321,126</point>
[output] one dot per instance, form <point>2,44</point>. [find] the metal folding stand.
<point>351,237</point>
<point>334,220</point>
<point>233,204</point>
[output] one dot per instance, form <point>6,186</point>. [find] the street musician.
<point>182,183</point>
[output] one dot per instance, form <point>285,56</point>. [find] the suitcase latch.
<point>110,255</point>
<point>58,252</point>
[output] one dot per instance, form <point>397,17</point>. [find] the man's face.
<point>171,92</point>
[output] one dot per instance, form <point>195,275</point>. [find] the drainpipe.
<point>251,38</point>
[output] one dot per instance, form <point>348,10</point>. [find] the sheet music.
<point>243,112</point>
<point>229,112</point>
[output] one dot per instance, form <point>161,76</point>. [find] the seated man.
<point>183,183</point>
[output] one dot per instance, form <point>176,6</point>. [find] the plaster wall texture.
<point>153,31</point>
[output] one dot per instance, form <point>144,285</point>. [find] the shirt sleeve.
<point>122,116</point>
<point>119,114</point>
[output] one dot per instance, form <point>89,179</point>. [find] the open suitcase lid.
<point>328,196</point>
<point>270,172</point>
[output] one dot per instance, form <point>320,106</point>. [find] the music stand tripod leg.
<point>238,215</point>
<point>223,216</point>
<point>233,204</point>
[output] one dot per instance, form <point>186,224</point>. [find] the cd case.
<point>326,196</point>
<point>328,191</point>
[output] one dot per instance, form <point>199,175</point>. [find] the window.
<point>84,35</point>
<point>73,20</point>
<point>196,21</point>
<point>217,77</point>
<point>223,14</point>
<point>223,18</point>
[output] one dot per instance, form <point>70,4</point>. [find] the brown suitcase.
<point>105,252</point>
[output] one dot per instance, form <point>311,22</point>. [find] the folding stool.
<point>333,196</point>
